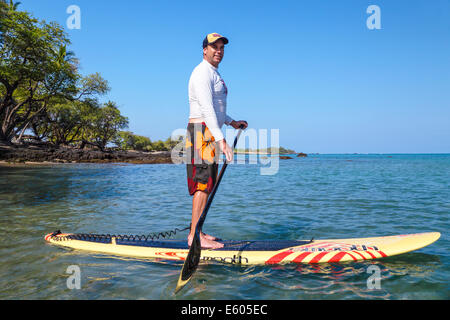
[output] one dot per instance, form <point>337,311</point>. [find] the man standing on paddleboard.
<point>207,100</point>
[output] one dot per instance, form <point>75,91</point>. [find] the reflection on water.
<point>335,280</point>
<point>340,279</point>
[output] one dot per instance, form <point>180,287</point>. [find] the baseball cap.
<point>213,37</point>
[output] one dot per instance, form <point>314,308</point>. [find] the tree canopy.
<point>42,90</point>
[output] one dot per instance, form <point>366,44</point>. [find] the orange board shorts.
<point>202,159</point>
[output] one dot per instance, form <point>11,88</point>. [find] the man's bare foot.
<point>206,243</point>
<point>210,244</point>
<point>209,237</point>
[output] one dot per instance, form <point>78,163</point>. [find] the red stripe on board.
<point>360,255</point>
<point>351,256</point>
<point>318,257</point>
<point>371,254</point>
<point>301,257</point>
<point>278,257</point>
<point>337,257</point>
<point>382,254</point>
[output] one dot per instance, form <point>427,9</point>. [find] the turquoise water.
<point>321,196</point>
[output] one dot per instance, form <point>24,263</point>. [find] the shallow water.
<point>321,196</point>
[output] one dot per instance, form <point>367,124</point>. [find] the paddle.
<point>193,257</point>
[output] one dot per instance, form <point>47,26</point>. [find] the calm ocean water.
<point>321,196</point>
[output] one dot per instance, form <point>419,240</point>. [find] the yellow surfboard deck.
<point>251,251</point>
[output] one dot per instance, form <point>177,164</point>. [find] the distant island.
<point>272,150</point>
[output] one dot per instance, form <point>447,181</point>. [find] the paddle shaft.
<point>202,218</point>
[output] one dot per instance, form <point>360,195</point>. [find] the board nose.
<point>48,236</point>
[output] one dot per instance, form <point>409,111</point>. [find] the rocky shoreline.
<point>47,154</point>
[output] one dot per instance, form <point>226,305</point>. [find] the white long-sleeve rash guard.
<point>208,98</point>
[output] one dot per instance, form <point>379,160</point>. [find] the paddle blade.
<point>190,264</point>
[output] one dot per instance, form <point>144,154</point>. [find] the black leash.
<point>107,237</point>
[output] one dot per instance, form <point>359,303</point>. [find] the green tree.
<point>142,143</point>
<point>126,140</point>
<point>63,123</point>
<point>36,71</point>
<point>170,144</point>
<point>104,126</point>
<point>159,146</point>
<point>11,5</point>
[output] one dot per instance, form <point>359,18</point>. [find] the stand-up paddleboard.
<point>250,252</point>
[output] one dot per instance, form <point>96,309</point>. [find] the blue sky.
<point>311,69</point>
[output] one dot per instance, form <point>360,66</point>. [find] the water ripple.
<point>322,196</point>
